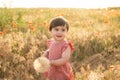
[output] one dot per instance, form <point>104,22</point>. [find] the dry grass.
<point>95,34</point>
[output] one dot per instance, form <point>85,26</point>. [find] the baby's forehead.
<point>61,27</point>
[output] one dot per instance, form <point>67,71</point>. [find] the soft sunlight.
<point>59,3</point>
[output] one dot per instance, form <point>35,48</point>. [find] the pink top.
<point>63,72</point>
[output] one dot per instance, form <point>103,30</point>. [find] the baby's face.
<point>59,33</point>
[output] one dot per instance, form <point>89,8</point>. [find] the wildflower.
<point>106,21</point>
<point>14,25</point>
<point>1,32</point>
<point>32,28</point>
<point>44,23</point>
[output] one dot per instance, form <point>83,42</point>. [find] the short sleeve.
<point>70,44</point>
<point>48,42</point>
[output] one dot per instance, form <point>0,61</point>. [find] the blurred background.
<point>94,31</point>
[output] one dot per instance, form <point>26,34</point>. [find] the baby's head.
<point>59,21</point>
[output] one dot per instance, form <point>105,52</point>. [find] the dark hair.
<point>58,21</point>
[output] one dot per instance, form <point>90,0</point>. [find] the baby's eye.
<point>63,30</point>
<point>56,29</point>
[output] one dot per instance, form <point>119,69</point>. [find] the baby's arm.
<point>65,57</point>
<point>45,54</point>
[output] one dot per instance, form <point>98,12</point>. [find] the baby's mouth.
<point>58,36</point>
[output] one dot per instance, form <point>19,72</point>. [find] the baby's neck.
<point>60,41</point>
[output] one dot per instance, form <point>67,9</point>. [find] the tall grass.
<point>94,32</point>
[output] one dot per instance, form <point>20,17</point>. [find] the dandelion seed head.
<point>41,64</point>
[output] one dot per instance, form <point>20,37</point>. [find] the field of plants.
<point>95,34</point>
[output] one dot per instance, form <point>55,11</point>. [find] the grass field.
<point>95,34</point>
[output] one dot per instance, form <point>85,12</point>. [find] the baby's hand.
<point>45,53</point>
<point>51,62</point>
<point>41,64</point>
